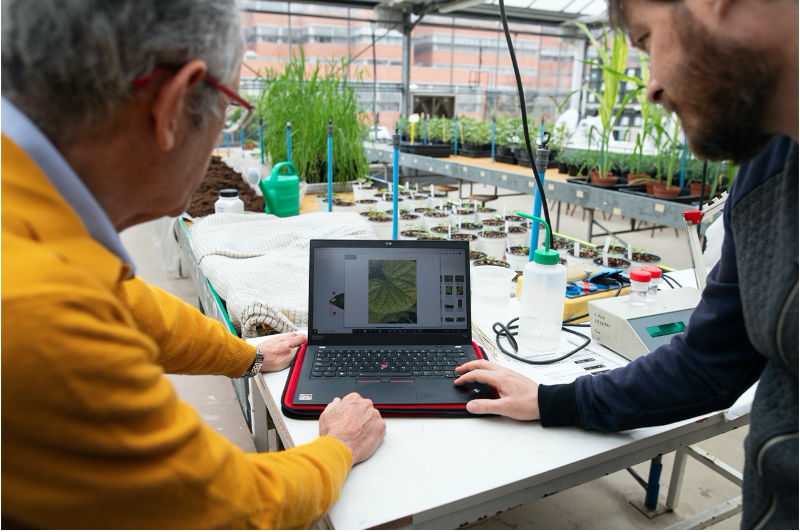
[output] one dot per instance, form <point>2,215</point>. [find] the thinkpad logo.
<point>470,393</point>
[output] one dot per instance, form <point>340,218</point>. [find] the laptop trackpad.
<point>388,393</point>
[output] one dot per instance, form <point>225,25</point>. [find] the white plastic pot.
<point>517,262</point>
<point>344,208</point>
<point>433,221</point>
<point>363,207</point>
<point>519,239</point>
<point>383,230</point>
<point>402,225</point>
<point>493,247</point>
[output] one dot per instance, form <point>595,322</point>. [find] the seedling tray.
<point>427,150</point>
<point>475,154</point>
<point>505,159</point>
<point>621,184</point>
<point>685,196</point>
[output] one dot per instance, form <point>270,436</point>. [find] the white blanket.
<point>258,263</point>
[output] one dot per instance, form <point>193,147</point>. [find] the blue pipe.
<point>227,145</point>
<point>683,163</point>
<point>330,164</point>
<point>261,138</point>
<point>425,139</point>
<point>242,141</point>
<point>289,141</point>
<point>455,136</point>
<point>395,189</point>
<point>494,128</point>
<point>651,500</point>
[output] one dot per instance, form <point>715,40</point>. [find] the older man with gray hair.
<point>110,111</point>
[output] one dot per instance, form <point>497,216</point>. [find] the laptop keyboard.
<point>385,363</point>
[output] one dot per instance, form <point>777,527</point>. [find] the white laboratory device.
<point>635,331</point>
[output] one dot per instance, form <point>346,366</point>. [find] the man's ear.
<point>171,101</point>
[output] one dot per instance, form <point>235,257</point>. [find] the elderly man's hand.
<point>519,395</point>
<point>354,422</point>
<point>279,350</point>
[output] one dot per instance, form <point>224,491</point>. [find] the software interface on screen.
<point>389,290</point>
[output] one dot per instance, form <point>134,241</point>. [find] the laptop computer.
<point>389,320</point>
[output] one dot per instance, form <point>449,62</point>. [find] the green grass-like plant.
<point>308,98</point>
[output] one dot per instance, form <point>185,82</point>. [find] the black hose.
<point>524,113</point>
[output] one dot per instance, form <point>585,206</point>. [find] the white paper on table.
<point>594,359</point>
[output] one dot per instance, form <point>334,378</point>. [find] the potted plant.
<point>308,98</point>
<point>475,256</point>
<point>614,262</point>
<point>613,64</point>
<point>485,213</point>
<point>470,227</point>
<point>641,257</point>
<point>492,242</point>
<point>518,256</point>
<point>667,190</point>
<point>471,238</point>
<point>491,261</point>
<point>412,231</point>
<point>382,225</point>
<point>434,217</point>
<point>477,136</point>
<point>587,255</point>
<point>507,139</point>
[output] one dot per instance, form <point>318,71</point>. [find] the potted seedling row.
<point>434,218</point>
<point>411,232</point>
<point>485,213</point>
<point>475,255</point>
<point>518,235</point>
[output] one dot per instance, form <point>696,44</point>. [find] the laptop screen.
<point>388,287</point>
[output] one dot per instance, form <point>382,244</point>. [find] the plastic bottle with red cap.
<point>640,282</point>
<point>655,280</point>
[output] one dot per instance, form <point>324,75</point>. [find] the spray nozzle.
<point>542,255</point>
<point>545,140</point>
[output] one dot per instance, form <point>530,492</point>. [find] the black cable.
<point>665,276</point>
<point>506,332</point>
<point>524,113</point>
<point>666,280</point>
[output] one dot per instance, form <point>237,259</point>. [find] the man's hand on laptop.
<point>354,422</point>
<point>279,350</point>
<point>519,395</point>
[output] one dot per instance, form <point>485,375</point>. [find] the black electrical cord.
<point>506,332</point>
<point>666,280</point>
<point>524,113</point>
<point>665,276</point>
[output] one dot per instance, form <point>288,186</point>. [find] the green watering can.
<point>282,191</point>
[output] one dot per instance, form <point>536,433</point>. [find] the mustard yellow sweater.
<point>93,435</point>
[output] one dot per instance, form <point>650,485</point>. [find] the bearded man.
<point>729,69</point>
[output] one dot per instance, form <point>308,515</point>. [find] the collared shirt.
<point>24,133</point>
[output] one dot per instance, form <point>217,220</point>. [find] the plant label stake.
<point>455,136</point>
<point>576,250</point>
<point>459,221</point>
<point>630,253</point>
<point>683,164</point>
<point>494,127</point>
<point>605,251</point>
<point>261,139</point>
<point>330,164</point>
<point>441,204</point>
<point>288,141</point>
<point>508,244</point>
<point>433,194</point>
<point>227,145</point>
<point>395,177</point>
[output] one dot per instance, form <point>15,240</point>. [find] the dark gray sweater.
<point>745,328</point>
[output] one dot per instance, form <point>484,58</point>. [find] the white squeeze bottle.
<point>542,297</point>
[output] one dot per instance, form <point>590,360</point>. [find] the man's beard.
<point>725,89</point>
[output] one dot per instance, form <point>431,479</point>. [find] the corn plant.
<point>613,64</point>
<point>308,98</point>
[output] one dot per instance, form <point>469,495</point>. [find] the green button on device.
<point>666,329</point>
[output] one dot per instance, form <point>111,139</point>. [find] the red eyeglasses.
<point>237,113</point>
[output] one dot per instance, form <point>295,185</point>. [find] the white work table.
<point>437,473</point>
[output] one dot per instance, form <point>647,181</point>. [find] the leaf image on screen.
<point>392,291</point>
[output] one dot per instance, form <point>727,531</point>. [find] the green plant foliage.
<point>475,131</point>
<point>392,291</point>
<point>337,301</point>
<point>308,97</point>
<point>440,129</point>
